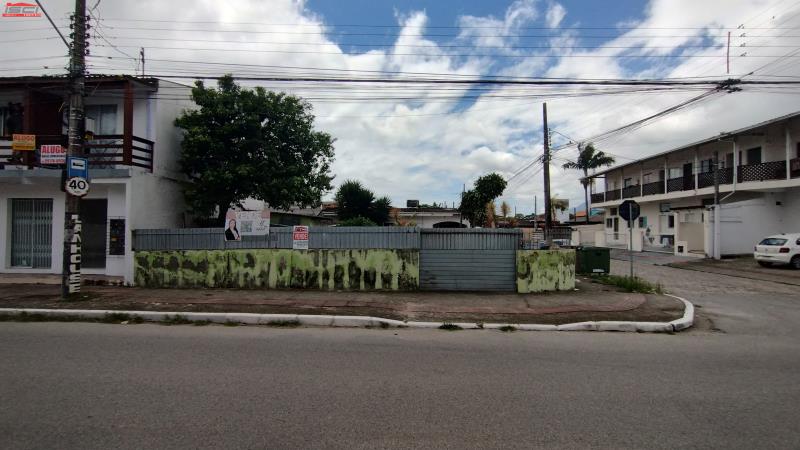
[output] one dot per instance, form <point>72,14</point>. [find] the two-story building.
<point>133,150</point>
<point>758,181</point>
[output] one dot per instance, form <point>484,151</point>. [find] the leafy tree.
<point>354,200</point>
<point>589,158</point>
<point>505,209</point>
<point>474,201</point>
<point>251,143</point>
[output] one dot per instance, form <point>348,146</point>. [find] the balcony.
<point>675,184</point>
<point>775,170</point>
<point>706,179</point>
<point>654,188</point>
<point>104,152</point>
<point>632,191</point>
<point>794,167</point>
<point>612,195</point>
<point>598,198</point>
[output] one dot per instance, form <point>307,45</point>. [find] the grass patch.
<point>449,326</point>
<point>507,329</point>
<point>629,284</point>
<point>283,323</point>
<point>177,319</point>
<point>201,323</point>
<point>231,323</point>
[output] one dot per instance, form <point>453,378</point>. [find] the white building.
<point>759,189</point>
<point>134,170</point>
<point>427,217</point>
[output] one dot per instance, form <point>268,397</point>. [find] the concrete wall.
<point>545,270</point>
<point>586,233</point>
<point>752,216</point>
<point>364,269</point>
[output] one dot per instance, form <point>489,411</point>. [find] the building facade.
<point>133,150</point>
<point>758,181</point>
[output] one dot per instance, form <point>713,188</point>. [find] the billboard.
<point>246,223</point>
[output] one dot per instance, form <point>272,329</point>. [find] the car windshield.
<point>772,241</point>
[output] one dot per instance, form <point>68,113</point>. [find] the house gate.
<point>468,259</point>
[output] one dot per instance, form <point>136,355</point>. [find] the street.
<point>73,385</point>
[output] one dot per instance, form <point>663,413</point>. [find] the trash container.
<point>589,260</point>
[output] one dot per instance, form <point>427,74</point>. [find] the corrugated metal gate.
<point>468,259</point>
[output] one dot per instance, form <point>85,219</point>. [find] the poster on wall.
<point>52,154</point>
<point>300,237</point>
<point>246,223</point>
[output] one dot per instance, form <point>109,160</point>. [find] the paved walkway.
<point>589,301</point>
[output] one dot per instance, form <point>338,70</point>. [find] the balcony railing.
<point>632,191</point>
<point>794,167</point>
<point>104,151</point>
<point>675,184</point>
<point>598,198</point>
<point>656,187</point>
<point>775,170</point>
<point>612,195</point>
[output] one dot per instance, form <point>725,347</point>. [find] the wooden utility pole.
<point>546,161</point>
<point>71,270</point>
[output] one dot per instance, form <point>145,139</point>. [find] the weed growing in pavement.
<point>384,325</point>
<point>449,326</point>
<point>231,323</point>
<point>629,284</point>
<point>115,318</point>
<point>201,323</point>
<point>507,329</point>
<point>284,323</point>
<point>177,319</point>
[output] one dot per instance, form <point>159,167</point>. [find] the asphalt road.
<point>153,386</point>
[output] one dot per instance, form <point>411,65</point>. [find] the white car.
<point>779,249</point>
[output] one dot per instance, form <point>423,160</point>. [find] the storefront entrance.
<point>94,214</point>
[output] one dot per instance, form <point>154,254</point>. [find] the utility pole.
<point>141,55</point>
<point>535,212</point>
<point>717,247</point>
<point>546,161</point>
<point>71,270</point>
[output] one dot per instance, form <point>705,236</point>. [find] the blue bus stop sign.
<point>77,167</point>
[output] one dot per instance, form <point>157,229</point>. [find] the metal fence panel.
<point>278,237</point>
<point>470,239</point>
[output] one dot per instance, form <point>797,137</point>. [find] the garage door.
<point>468,260</point>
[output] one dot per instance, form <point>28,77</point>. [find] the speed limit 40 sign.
<point>77,186</point>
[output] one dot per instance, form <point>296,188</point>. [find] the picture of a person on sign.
<point>231,232</point>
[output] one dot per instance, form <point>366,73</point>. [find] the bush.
<point>358,222</point>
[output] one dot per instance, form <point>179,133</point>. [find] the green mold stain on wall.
<point>355,269</point>
<point>545,270</point>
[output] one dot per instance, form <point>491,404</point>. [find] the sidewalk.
<point>744,267</point>
<point>590,301</point>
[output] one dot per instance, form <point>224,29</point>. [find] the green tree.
<point>356,201</point>
<point>589,158</point>
<point>474,201</point>
<point>251,143</point>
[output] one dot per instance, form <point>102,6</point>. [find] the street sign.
<point>77,186</point>
<point>23,142</point>
<point>629,210</point>
<point>52,154</point>
<point>77,167</point>
<point>300,237</point>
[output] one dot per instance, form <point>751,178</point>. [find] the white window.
<point>101,119</point>
<point>675,172</point>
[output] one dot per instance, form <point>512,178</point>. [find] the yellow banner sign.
<point>23,142</point>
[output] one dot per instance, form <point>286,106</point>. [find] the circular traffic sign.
<point>77,186</point>
<point>629,210</point>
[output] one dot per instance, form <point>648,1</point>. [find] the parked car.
<point>779,249</point>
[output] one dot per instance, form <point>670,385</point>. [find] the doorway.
<point>94,214</point>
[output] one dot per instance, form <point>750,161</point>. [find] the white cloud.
<point>555,14</point>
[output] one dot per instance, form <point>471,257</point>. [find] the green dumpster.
<point>590,260</point>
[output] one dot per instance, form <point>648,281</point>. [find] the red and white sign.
<point>300,237</point>
<point>52,154</point>
<point>21,9</point>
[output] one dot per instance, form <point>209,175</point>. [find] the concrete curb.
<point>364,321</point>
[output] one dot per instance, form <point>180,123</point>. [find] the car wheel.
<point>764,264</point>
<point>796,262</point>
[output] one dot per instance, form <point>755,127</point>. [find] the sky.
<point>428,141</point>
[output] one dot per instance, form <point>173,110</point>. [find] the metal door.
<point>93,233</point>
<point>31,232</point>
<point>468,260</point>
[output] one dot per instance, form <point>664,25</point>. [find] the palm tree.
<point>589,158</point>
<point>504,210</point>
